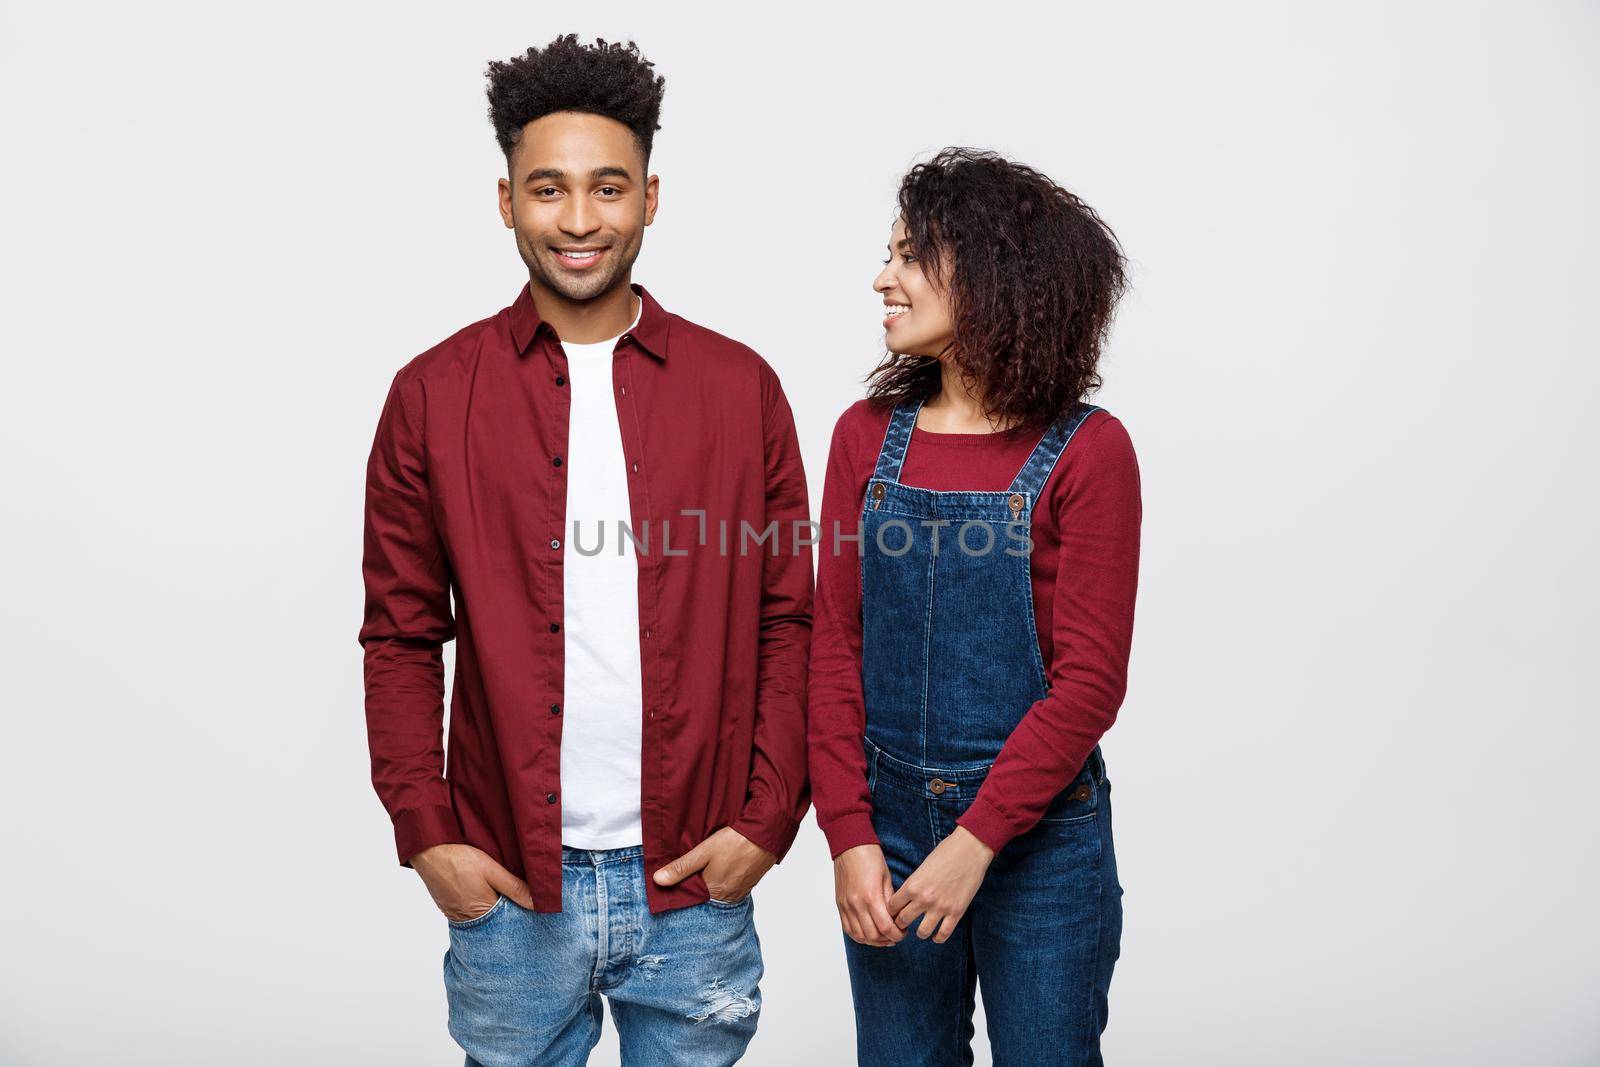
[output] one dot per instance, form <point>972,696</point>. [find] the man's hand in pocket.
<point>465,882</point>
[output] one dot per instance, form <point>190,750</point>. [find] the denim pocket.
<point>1078,802</point>
<point>495,908</point>
<point>729,904</point>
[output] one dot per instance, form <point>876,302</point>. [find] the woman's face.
<point>918,322</point>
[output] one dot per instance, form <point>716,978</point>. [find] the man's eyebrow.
<point>610,170</point>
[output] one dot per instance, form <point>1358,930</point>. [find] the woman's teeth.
<point>898,309</point>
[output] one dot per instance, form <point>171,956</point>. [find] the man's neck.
<point>585,322</point>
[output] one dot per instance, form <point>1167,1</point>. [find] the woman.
<point>971,646</point>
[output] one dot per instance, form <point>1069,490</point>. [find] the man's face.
<point>578,200</point>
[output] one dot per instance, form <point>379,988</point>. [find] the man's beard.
<point>584,285</point>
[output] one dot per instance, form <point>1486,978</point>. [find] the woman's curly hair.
<point>1033,276</point>
<point>613,80</point>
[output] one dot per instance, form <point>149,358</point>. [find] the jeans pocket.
<point>729,904</point>
<point>494,909</point>
<point>1078,802</point>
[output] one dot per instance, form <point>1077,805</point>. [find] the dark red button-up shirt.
<point>466,492</point>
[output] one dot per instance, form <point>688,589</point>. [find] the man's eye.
<point>547,189</point>
<point>610,189</point>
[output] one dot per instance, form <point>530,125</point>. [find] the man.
<point>614,495</point>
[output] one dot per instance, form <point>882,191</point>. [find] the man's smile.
<point>579,258</point>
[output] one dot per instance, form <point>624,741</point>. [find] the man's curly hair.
<point>613,80</point>
<point>1033,276</point>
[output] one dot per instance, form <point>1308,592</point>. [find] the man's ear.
<point>652,197</point>
<point>505,203</point>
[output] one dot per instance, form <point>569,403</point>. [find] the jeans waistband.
<point>932,782</point>
<point>594,857</point>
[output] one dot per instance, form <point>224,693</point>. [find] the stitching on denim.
<point>1029,620</point>
<point>997,496</point>
<point>463,924</point>
<point>1065,427</point>
<point>602,927</point>
<point>896,439</point>
<point>909,771</point>
<point>1095,1023</point>
<point>963,1018</point>
<point>927,652</point>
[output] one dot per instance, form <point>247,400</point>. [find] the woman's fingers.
<point>878,912</point>
<point>850,919</point>
<point>871,931</point>
<point>882,922</point>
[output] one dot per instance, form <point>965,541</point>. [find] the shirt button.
<point>555,627</point>
<point>624,390</point>
<point>549,798</point>
<point>636,468</point>
<point>555,709</point>
<point>647,633</point>
<point>560,380</point>
<point>554,543</point>
<point>557,461</point>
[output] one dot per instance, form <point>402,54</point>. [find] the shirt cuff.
<point>988,823</point>
<point>422,828</point>
<point>849,831</point>
<point>768,825</point>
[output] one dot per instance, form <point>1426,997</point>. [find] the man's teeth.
<point>899,309</point>
<point>581,255</point>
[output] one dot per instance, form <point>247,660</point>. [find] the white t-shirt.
<point>602,731</point>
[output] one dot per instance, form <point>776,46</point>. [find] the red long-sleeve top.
<point>1085,567</point>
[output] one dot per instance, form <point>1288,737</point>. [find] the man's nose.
<point>579,217</point>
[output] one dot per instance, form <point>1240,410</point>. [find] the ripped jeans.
<point>525,987</point>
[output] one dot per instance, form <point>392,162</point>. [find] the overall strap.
<point>895,440</point>
<point>1034,473</point>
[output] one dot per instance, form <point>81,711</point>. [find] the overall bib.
<point>950,664</point>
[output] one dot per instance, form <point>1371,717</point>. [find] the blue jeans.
<point>525,987</point>
<point>1043,931</point>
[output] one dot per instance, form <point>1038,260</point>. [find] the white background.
<point>1355,770</point>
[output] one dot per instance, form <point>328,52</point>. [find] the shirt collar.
<point>651,333</point>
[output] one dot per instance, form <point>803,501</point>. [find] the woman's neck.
<point>958,407</point>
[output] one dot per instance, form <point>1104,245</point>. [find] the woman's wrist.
<point>971,844</point>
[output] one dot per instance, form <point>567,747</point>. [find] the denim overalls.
<point>950,664</point>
